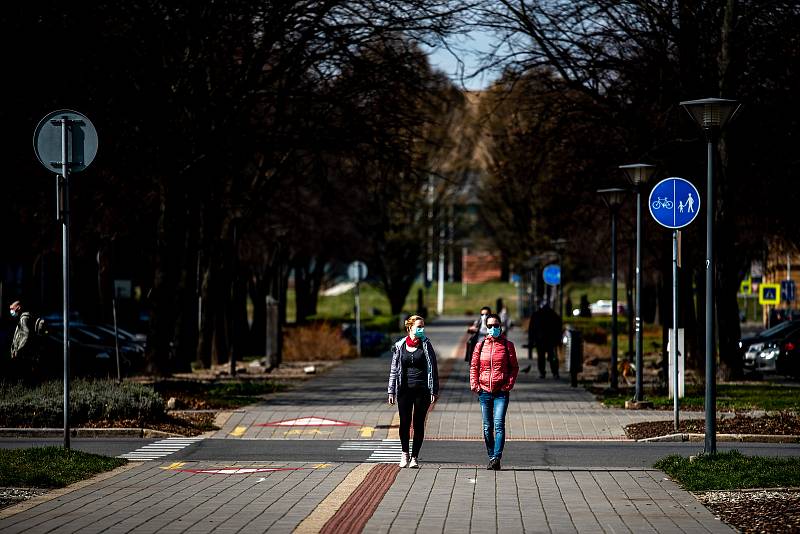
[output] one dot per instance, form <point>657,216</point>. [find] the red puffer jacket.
<point>493,366</point>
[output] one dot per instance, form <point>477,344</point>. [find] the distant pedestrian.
<point>505,320</point>
<point>24,345</point>
<point>545,329</point>
<point>413,385</point>
<point>492,373</point>
<point>476,330</point>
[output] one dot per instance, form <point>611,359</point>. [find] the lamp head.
<point>711,113</point>
<point>638,173</point>
<point>613,197</point>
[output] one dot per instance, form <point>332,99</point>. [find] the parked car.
<point>92,350</point>
<point>601,307</point>
<point>760,352</point>
<point>787,355</point>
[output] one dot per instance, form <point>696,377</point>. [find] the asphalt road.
<point>517,453</point>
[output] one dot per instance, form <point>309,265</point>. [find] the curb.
<point>750,438</point>
<point>86,433</point>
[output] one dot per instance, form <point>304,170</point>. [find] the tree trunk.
<point>168,284</point>
<point>258,332</point>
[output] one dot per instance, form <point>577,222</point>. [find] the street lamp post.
<point>613,199</point>
<point>711,114</point>
<point>638,174</point>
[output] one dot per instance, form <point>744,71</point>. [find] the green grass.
<point>729,397</point>
<point>51,467</point>
<point>731,470</point>
<point>375,304</point>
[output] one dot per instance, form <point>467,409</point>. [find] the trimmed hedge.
<point>89,400</point>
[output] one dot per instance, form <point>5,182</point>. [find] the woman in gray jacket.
<point>413,385</point>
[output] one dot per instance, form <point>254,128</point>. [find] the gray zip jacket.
<point>396,371</point>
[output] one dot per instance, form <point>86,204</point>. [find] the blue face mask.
<point>494,332</point>
<point>13,313</point>
<point>419,333</point>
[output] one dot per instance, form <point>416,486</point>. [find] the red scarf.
<point>412,342</point>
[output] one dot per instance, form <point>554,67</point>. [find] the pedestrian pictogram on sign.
<point>769,294</point>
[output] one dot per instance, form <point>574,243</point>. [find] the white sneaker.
<point>414,464</point>
<point>403,459</point>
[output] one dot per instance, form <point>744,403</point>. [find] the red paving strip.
<point>353,515</point>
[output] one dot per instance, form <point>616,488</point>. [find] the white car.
<point>602,307</point>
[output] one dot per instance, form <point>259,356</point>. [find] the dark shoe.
<point>541,376</point>
<point>555,376</point>
<point>497,464</point>
<point>490,466</point>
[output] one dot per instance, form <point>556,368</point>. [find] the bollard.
<point>573,340</point>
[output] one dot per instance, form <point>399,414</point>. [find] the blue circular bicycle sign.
<point>674,202</point>
<point>552,275</point>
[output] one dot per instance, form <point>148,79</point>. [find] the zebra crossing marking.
<point>159,449</point>
<point>386,451</point>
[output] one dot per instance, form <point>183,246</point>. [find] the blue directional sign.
<point>787,290</point>
<point>552,275</point>
<point>674,202</point>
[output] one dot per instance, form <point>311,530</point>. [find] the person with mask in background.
<point>492,374</point>
<point>476,329</point>
<point>24,346</point>
<point>413,386</point>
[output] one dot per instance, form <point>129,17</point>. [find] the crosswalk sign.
<point>746,287</point>
<point>769,294</point>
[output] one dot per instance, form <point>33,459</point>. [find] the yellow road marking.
<point>308,431</point>
<point>366,431</point>
<point>176,465</point>
<point>322,513</point>
<point>321,466</point>
<point>239,431</point>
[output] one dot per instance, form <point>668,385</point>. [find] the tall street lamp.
<point>613,198</point>
<point>638,174</point>
<point>711,114</point>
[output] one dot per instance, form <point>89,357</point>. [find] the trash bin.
<point>573,347</point>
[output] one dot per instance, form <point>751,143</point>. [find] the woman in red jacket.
<point>492,373</point>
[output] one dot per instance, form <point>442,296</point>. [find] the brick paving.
<point>266,496</point>
<point>163,499</point>
<point>356,392</point>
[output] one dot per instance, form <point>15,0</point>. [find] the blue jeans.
<point>493,409</point>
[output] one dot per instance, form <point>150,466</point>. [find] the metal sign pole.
<point>65,264</point>
<point>116,337</point>
<point>674,334</point>
<point>51,143</point>
<point>358,318</point>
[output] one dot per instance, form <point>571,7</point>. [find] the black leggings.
<point>416,400</point>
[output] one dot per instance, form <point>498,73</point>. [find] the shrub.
<point>320,341</point>
<point>90,400</point>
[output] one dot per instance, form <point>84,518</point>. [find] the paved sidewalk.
<point>354,393</point>
<point>320,495</point>
<point>254,497</point>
